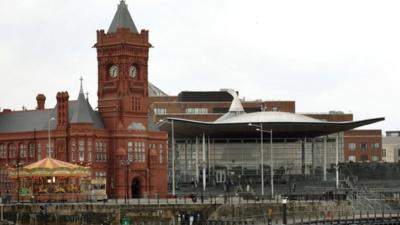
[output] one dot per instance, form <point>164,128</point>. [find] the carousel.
<point>50,180</point>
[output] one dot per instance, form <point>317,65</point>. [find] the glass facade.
<point>242,157</point>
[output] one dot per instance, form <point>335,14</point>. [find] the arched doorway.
<point>136,192</point>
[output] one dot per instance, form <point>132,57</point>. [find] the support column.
<point>197,159</point>
<point>324,158</point>
<point>337,161</point>
<point>312,155</point>
<point>186,162</point>
<point>173,157</point>
<point>208,159</point>
<point>303,158</point>
<point>204,162</point>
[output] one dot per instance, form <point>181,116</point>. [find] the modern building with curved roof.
<point>231,143</point>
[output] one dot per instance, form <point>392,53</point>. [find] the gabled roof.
<point>122,18</point>
<point>80,111</point>
<point>21,121</point>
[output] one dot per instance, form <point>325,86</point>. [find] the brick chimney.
<point>62,109</point>
<point>40,99</point>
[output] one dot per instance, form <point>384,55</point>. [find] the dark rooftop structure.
<point>204,96</point>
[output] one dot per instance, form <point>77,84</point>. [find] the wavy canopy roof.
<point>235,124</point>
<point>292,127</point>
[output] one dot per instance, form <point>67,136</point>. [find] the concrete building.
<point>391,146</point>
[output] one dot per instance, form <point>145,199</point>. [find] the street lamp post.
<point>260,128</point>
<point>18,180</point>
<point>126,163</point>
<point>48,150</point>
<point>284,213</point>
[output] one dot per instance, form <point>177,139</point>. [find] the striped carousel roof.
<point>50,163</point>
<point>51,168</point>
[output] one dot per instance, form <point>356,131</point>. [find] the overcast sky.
<point>325,55</point>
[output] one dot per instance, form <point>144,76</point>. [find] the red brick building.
<point>363,145</point>
<point>119,141</point>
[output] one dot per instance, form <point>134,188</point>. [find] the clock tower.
<point>122,54</point>
<point>133,140</point>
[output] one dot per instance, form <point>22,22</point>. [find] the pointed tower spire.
<point>81,90</point>
<point>122,18</point>
<point>81,93</point>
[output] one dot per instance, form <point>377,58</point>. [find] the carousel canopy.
<point>49,167</point>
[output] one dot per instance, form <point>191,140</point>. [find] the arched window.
<point>161,153</point>
<point>3,151</point>
<point>39,151</point>
<point>22,150</point>
<point>89,153</point>
<point>73,150</point>
<point>130,151</point>
<point>12,151</point>
<point>32,150</point>
<point>81,150</point>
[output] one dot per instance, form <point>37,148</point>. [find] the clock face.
<point>132,71</point>
<point>113,71</point>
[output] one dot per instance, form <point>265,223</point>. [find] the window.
<point>139,152</point>
<point>101,151</point>
<point>136,103</point>
<point>352,158</point>
<point>352,146</point>
<point>364,146</point>
<point>39,151</point>
<point>89,146</point>
<point>161,153</point>
<point>398,152</point>
<point>81,150</point>
<point>32,150</point>
<point>275,108</point>
<point>104,147</point>
<point>160,111</point>
<point>100,174</point>
<point>73,150</point>
<point>22,151</point>
<point>50,152</point>
<point>196,110</point>
<point>220,176</point>
<point>375,158</point>
<point>376,146</point>
<point>12,151</point>
<point>383,152</point>
<point>130,151</point>
<point>3,151</point>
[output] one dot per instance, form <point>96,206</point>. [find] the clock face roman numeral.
<point>132,71</point>
<point>113,71</point>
